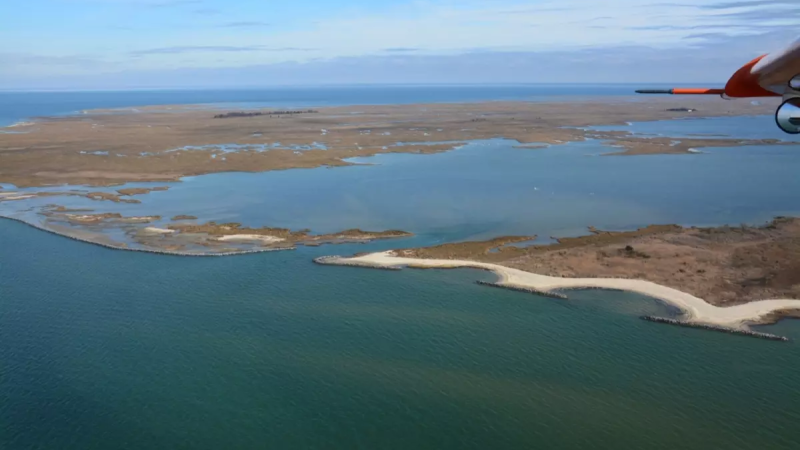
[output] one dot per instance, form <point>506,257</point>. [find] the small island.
<point>141,191</point>
<point>150,234</point>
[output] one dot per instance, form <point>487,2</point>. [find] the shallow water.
<point>743,127</point>
<point>485,189</point>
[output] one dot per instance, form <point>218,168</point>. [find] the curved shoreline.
<point>143,250</point>
<point>695,309</point>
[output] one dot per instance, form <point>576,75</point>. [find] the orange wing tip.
<point>700,91</point>
<point>683,91</point>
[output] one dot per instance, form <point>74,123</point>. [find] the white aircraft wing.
<point>775,70</point>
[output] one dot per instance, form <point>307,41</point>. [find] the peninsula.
<point>718,276</point>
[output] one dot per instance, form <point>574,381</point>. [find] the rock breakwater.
<point>704,326</point>
<point>528,290</point>
<point>337,260</point>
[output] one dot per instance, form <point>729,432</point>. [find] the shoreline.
<point>695,309</point>
<point>143,250</point>
<point>216,234</point>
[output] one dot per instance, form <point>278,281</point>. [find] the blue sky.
<point>163,43</point>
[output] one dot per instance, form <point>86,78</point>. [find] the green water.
<point>106,349</point>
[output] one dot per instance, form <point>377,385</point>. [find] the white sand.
<point>14,196</point>
<point>82,218</point>
<point>696,309</point>
<point>251,237</point>
<point>20,124</point>
<point>156,230</point>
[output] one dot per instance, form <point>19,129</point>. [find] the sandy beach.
<point>695,309</point>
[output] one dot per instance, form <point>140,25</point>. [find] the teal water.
<point>106,349</point>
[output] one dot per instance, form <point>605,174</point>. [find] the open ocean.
<point>104,349</point>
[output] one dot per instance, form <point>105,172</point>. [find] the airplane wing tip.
<point>683,91</point>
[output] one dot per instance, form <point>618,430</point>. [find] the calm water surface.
<point>744,127</point>
<point>107,349</point>
<point>485,189</point>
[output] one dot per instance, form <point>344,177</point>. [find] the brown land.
<point>233,229</point>
<point>215,237</point>
<point>59,213</point>
<point>98,196</point>
<point>661,145</point>
<point>141,191</point>
<point>111,197</point>
<point>211,236</point>
<point>724,265</point>
<point>143,146</point>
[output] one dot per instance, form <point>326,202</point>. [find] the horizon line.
<point>344,85</point>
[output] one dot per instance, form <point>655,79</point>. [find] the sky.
<point>96,44</point>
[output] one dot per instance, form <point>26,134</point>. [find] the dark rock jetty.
<point>337,260</point>
<point>528,290</point>
<point>684,323</point>
<point>593,288</point>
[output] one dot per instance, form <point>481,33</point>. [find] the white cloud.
<point>552,24</point>
<point>26,64</point>
<point>149,3</point>
<point>720,32</point>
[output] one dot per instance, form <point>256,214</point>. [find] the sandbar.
<point>156,230</point>
<point>10,196</point>
<point>248,237</point>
